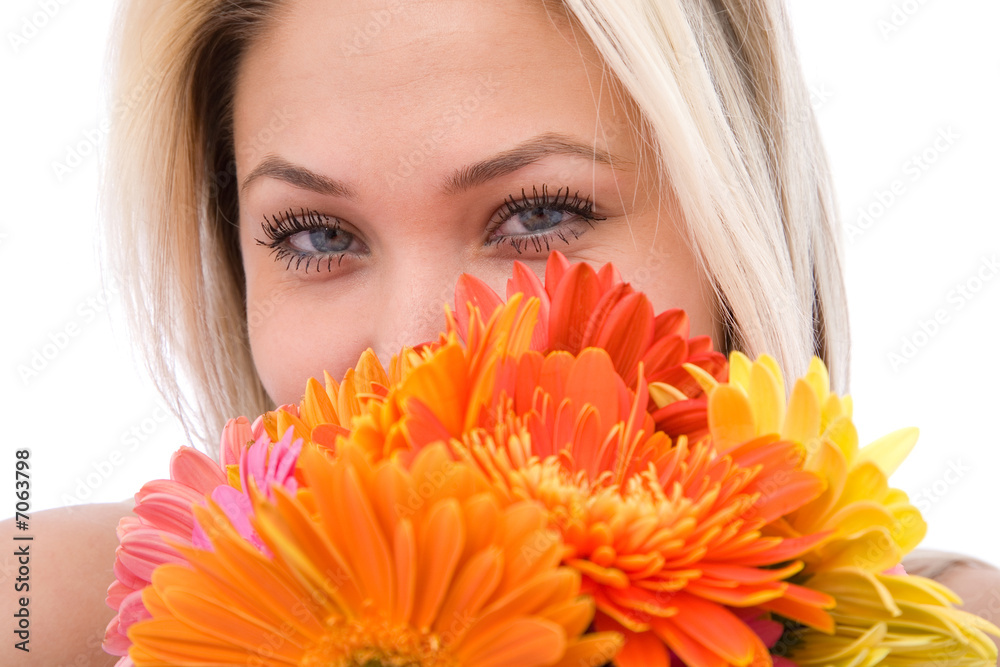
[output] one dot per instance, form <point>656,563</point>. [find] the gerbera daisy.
<point>374,565</point>
<point>165,517</point>
<point>873,525</point>
<point>892,620</point>
<point>163,507</point>
<point>880,616</point>
<point>667,535</point>
<point>326,412</point>
<point>579,307</point>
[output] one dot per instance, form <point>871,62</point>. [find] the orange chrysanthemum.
<point>373,564</point>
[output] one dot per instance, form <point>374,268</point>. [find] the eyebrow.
<point>276,167</point>
<point>465,178</point>
<point>522,155</point>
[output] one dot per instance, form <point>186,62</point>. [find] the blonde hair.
<point>722,101</point>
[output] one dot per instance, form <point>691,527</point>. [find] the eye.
<point>309,239</point>
<point>533,220</point>
<point>321,240</point>
<point>537,221</point>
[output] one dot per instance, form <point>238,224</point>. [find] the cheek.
<point>673,280</point>
<point>291,341</point>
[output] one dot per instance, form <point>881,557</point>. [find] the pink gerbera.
<point>165,518</point>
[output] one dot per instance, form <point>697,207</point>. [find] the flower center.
<point>375,642</point>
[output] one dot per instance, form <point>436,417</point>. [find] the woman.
<point>310,179</point>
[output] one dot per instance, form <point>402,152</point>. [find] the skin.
<point>443,85</point>
<point>352,96</point>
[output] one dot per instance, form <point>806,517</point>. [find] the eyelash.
<point>583,208</point>
<point>279,229</point>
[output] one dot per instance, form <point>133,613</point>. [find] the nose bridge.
<point>414,292</point>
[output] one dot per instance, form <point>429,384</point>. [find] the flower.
<point>327,412</point>
<point>873,525</point>
<point>579,307</point>
<point>562,461</point>
<point>237,435</point>
<point>163,508</point>
<point>262,463</point>
<point>893,620</point>
<point>881,614</point>
<point>665,534</point>
<point>166,522</point>
<point>373,564</point>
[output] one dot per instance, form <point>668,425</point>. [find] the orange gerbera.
<point>579,307</point>
<point>667,535</point>
<point>373,564</point>
<point>327,412</point>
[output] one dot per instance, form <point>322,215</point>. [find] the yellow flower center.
<point>375,642</point>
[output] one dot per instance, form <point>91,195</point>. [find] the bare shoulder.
<point>975,581</point>
<point>60,577</point>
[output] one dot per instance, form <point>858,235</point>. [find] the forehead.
<point>356,78</point>
<point>353,40</point>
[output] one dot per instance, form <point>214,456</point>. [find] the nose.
<point>413,293</point>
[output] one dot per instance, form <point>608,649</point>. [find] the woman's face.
<point>384,148</point>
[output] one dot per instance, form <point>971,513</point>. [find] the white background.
<point>888,80</point>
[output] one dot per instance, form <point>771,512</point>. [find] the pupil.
<point>541,218</point>
<point>326,240</point>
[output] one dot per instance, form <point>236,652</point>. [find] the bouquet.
<point>562,478</point>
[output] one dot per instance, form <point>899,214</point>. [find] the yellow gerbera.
<point>880,617</point>
<point>892,620</point>
<point>873,525</point>
<point>374,564</point>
